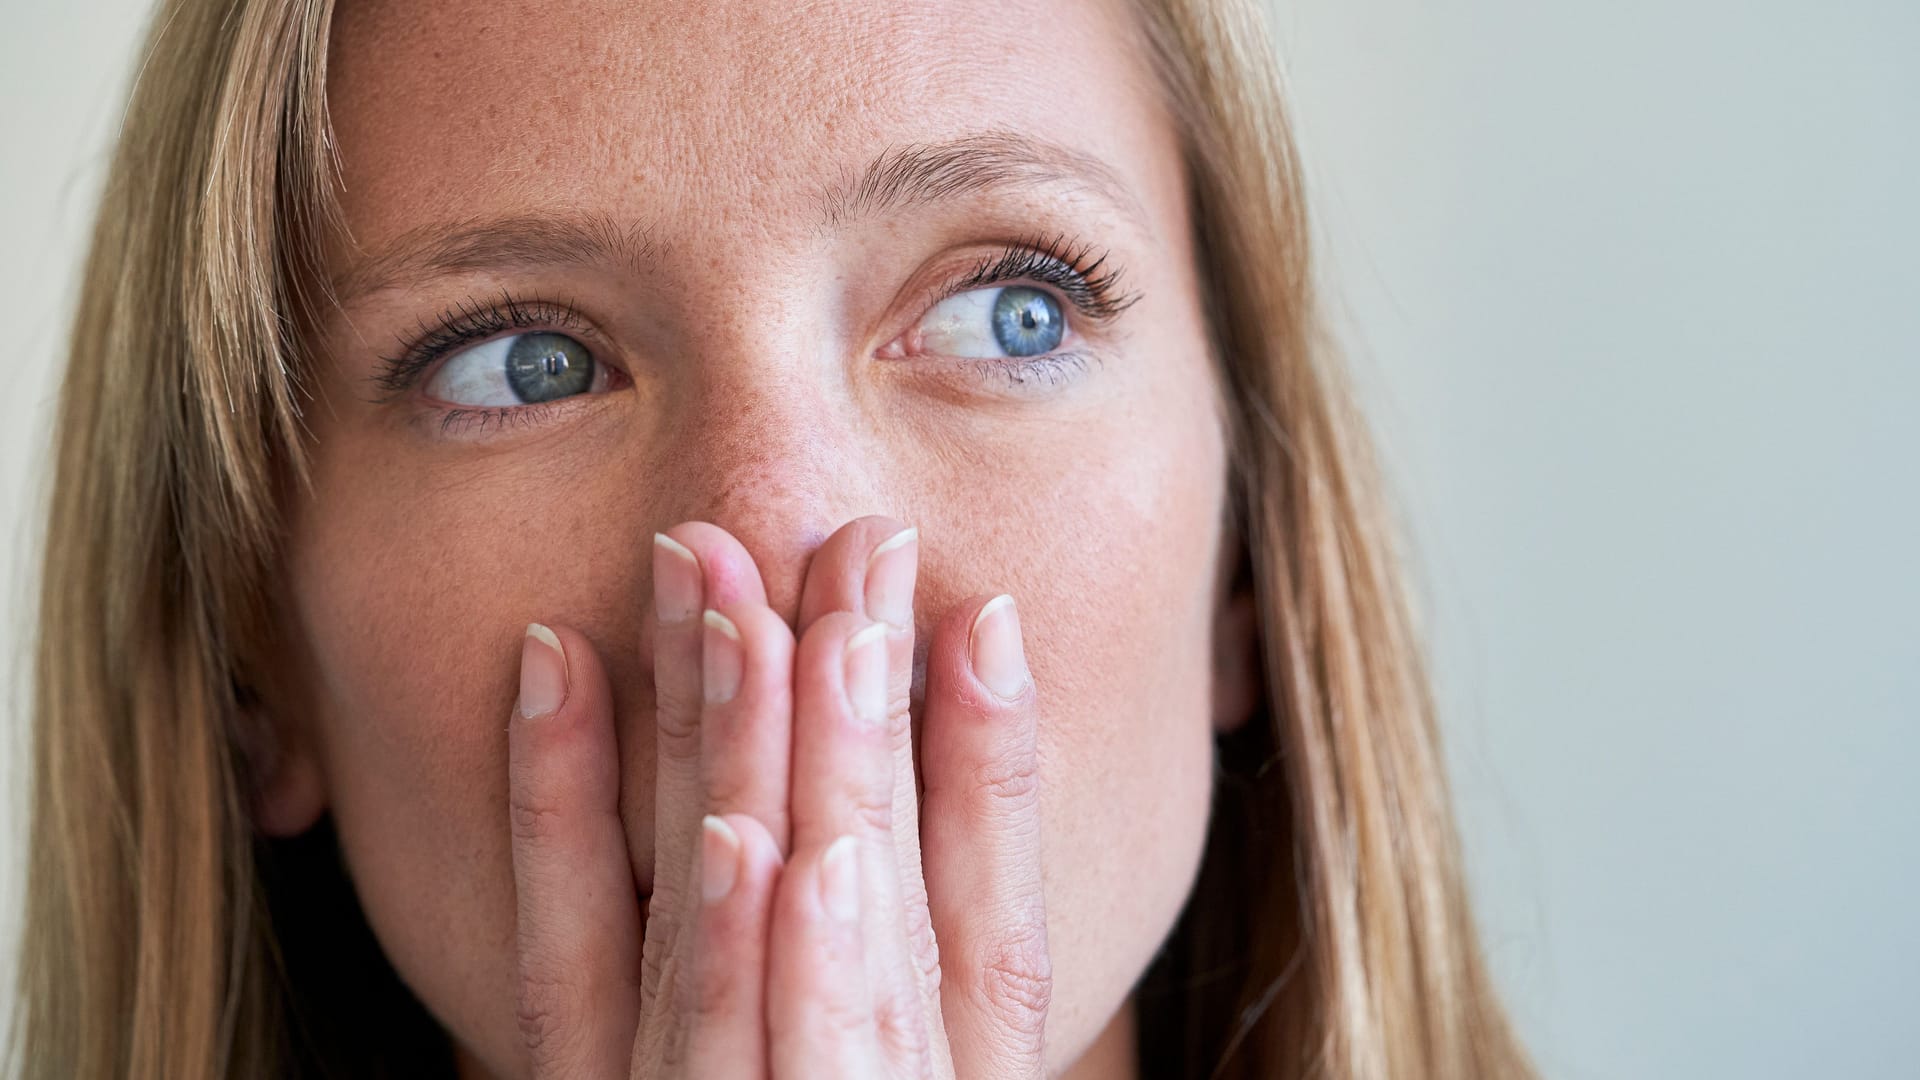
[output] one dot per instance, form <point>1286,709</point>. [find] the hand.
<point>796,892</point>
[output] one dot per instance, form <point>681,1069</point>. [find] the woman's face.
<point>746,220</point>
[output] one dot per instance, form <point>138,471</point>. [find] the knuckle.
<point>900,1021</point>
<point>541,1010</point>
<point>534,819</point>
<point>922,943</point>
<point>872,808</point>
<point>900,722</point>
<point>1015,979</point>
<point>677,718</point>
<point>1008,783</point>
<point>839,1016</point>
<point>730,788</point>
<point>660,972</point>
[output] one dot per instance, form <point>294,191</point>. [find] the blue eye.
<point>524,369</point>
<point>1011,321</point>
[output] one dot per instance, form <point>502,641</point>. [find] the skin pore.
<point>690,194</point>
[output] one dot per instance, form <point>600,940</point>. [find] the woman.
<point>725,540</point>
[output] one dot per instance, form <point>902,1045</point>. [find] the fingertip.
<point>757,844</point>
<point>719,859</point>
<point>976,659</point>
<point>728,572</point>
<point>543,673</point>
<point>561,684</point>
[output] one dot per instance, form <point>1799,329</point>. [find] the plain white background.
<point>1632,287</point>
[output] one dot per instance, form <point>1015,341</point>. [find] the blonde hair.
<point>1329,933</point>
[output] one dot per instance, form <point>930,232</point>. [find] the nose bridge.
<point>769,454</point>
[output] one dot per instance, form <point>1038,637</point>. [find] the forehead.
<point>721,114</point>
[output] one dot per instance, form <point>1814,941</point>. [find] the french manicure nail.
<point>994,646</point>
<point>543,672</point>
<point>866,672</point>
<point>676,580</point>
<point>890,574</point>
<point>719,859</point>
<point>722,658</point>
<point>840,880</point>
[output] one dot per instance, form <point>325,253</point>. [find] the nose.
<point>778,454</point>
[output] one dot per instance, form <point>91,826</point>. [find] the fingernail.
<point>719,858</point>
<point>543,672</point>
<point>676,580</point>
<point>840,880</point>
<point>994,646</point>
<point>722,658</point>
<point>866,672</point>
<point>890,572</point>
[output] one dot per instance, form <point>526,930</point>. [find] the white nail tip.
<point>721,623</point>
<point>865,635</point>
<point>718,826</point>
<point>898,540</point>
<point>991,606</point>
<point>546,637</point>
<point>662,540</point>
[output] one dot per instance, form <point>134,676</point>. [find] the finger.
<point>739,868</point>
<point>869,566</point>
<point>843,785</point>
<point>695,566</point>
<point>747,723</point>
<point>577,917</point>
<point>982,839</point>
<point>820,1021</point>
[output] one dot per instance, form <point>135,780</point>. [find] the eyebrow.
<point>921,173</point>
<point>898,179</point>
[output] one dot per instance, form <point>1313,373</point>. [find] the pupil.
<point>1027,322</point>
<point>543,367</point>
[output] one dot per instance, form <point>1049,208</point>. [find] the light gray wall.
<point>1632,287</point>
<point>63,72</point>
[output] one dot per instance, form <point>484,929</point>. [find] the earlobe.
<point>286,792</point>
<point>1237,678</point>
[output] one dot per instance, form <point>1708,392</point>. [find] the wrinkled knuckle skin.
<point>922,942</point>
<point>900,723</point>
<point>678,721</point>
<point>1008,785</point>
<point>872,810</point>
<point>659,977</point>
<point>840,1020</point>
<point>534,820</point>
<point>1015,980</point>
<point>726,790</point>
<point>541,1008</point>
<point>901,1023</point>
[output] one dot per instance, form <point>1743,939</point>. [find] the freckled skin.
<point>752,398</point>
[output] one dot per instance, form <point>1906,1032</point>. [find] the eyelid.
<point>1065,266</point>
<point>471,323</point>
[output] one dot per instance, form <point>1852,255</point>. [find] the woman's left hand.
<point>856,984</point>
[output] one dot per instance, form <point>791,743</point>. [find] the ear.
<point>1237,678</point>
<point>287,791</point>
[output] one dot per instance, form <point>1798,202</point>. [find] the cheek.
<point>411,600</point>
<point>1108,545</point>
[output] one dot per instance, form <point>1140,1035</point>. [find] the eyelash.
<point>1056,260</point>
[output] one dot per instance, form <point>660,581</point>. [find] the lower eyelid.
<point>1028,372</point>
